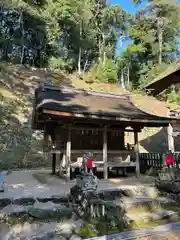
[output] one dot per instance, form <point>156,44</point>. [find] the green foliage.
<point>88,231</point>
<point>173,96</point>
<point>58,64</point>
<point>82,35</point>
<point>155,33</point>
<point>95,72</point>
<point>150,71</point>
<point>109,72</point>
<point>103,72</point>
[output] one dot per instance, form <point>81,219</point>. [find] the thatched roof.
<point>167,78</point>
<point>71,103</point>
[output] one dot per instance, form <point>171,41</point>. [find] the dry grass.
<point>145,103</point>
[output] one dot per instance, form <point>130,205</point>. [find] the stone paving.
<point>22,183</point>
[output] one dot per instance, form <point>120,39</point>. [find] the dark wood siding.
<point>115,140</point>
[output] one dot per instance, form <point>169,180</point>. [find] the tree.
<point>154,31</point>
<point>22,30</point>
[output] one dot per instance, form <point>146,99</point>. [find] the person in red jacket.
<point>169,159</point>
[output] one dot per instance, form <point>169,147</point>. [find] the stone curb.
<point>135,234</point>
<point>37,211</point>
<point>154,216</point>
<point>106,194</point>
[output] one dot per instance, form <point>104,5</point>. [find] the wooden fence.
<point>154,160</point>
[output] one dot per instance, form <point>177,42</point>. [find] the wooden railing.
<point>154,160</point>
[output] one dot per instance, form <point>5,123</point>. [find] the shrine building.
<point>75,121</point>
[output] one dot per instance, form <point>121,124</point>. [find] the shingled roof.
<point>164,80</point>
<point>69,102</point>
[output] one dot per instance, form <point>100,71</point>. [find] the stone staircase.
<point>52,217</point>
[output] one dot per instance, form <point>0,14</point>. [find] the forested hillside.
<point>82,36</point>
<point>76,42</point>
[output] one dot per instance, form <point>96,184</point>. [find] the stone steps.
<point>150,217</point>
<point>140,190</point>
<point>107,194</point>
<point>29,200</point>
<point>138,234</point>
<point>134,202</point>
<point>123,190</point>
<point>51,210</point>
<point>69,229</point>
<point>57,208</point>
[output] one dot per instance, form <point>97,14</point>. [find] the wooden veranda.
<point>76,121</point>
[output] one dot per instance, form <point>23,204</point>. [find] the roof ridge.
<point>66,89</point>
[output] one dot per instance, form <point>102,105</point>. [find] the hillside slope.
<point>19,145</point>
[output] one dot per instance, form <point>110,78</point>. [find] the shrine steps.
<point>148,203</point>
<point>153,217</point>
<point>32,213</point>
<point>60,206</point>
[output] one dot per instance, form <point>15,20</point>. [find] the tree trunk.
<point>22,38</point>
<point>80,49</point>
<point>160,46</point>
<point>160,39</point>
<point>122,79</point>
<point>100,50</point>
<point>103,46</point>
<point>85,65</point>
<point>79,61</point>
<point>128,80</point>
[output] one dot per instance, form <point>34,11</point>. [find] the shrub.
<point>60,64</point>
<point>103,72</point>
<point>110,72</point>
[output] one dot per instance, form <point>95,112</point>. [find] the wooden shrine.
<point>75,121</point>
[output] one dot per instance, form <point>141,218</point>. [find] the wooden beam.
<point>81,151</point>
<point>136,148</point>
<point>109,118</point>
<point>100,129</point>
<point>105,153</point>
<point>68,154</point>
<point>95,128</point>
<point>54,163</point>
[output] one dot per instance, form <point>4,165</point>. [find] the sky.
<point>128,6</point>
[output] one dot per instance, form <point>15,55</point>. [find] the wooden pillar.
<point>68,154</point>
<point>54,163</point>
<point>170,138</point>
<point>136,148</point>
<point>105,153</point>
<point>170,135</point>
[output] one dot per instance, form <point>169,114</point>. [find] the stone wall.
<point>151,139</point>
